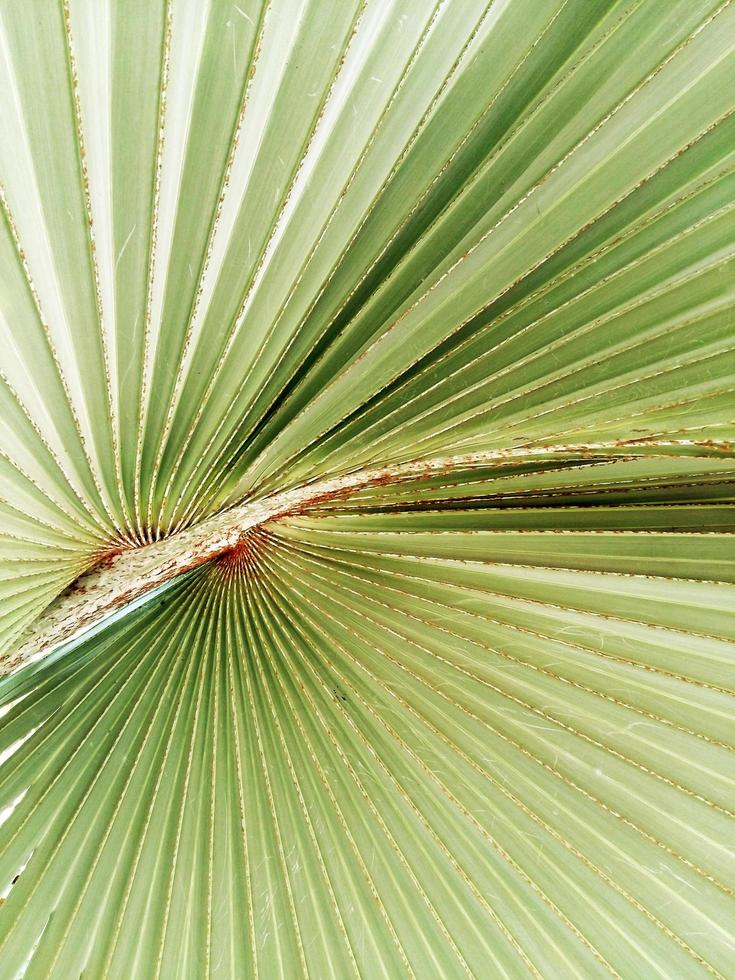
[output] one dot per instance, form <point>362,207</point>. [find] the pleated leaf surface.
<point>473,718</point>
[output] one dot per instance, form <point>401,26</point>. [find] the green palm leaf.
<point>366,420</point>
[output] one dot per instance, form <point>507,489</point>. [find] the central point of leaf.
<point>245,555</point>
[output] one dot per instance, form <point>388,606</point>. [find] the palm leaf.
<point>366,420</point>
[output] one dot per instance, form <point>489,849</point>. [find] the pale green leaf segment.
<point>475,723</point>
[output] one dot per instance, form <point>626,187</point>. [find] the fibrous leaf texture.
<point>367,582</point>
